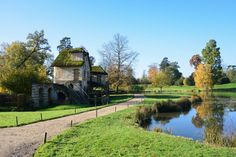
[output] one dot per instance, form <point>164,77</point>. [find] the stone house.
<point>75,80</point>
<point>72,69</point>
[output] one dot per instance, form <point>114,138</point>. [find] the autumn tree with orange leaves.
<point>158,78</point>
<point>203,77</point>
<point>152,71</point>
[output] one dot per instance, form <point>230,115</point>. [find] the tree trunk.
<point>117,89</point>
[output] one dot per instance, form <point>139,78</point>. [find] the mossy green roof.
<point>98,70</point>
<point>65,58</point>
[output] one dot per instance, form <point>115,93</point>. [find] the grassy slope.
<point>9,118</point>
<point>117,135</point>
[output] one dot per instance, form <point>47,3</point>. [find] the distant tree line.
<point>166,74</point>
<point>208,71</point>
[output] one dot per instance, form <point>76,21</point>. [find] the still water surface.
<point>213,117</point>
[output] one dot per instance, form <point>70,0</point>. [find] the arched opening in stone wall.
<point>61,97</point>
<point>49,95</point>
<point>71,86</point>
<point>41,96</point>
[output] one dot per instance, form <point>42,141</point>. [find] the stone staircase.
<point>73,96</point>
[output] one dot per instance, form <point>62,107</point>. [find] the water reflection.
<point>211,120</point>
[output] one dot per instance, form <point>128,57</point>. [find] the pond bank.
<point>118,135</point>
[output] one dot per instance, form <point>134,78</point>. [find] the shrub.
<point>143,116</point>
<point>221,140</point>
<point>195,99</point>
<point>223,80</point>
<point>180,81</point>
<point>187,82</point>
<point>166,106</point>
<point>157,129</point>
<point>136,89</point>
<point>184,104</point>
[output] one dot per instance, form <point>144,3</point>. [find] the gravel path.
<point>24,140</point>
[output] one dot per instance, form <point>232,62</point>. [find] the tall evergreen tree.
<point>65,43</point>
<point>211,56</point>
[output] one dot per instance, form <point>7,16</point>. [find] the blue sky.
<point>176,29</point>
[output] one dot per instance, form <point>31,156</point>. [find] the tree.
<point>195,60</point>
<point>231,73</point>
<point>25,63</point>
<point>180,81</point>
<point>161,79</point>
<point>187,82</point>
<point>152,71</point>
<point>144,79</point>
<point>211,55</point>
<point>203,77</point>
<point>65,43</point>
<point>171,69</point>
<point>117,58</point>
<point>92,60</point>
<point>130,79</point>
<point>38,48</point>
<point>191,79</point>
<point>20,81</point>
<point>164,64</point>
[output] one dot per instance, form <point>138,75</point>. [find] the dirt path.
<point>24,140</point>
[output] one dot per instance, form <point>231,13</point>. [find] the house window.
<point>76,74</point>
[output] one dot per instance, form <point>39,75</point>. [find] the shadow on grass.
<point>225,90</point>
<point>162,96</point>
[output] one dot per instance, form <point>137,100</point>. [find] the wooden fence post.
<point>16,121</point>
<point>95,101</point>
<point>71,123</point>
<point>45,137</point>
<point>41,116</point>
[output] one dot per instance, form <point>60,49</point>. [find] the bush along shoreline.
<point>144,113</point>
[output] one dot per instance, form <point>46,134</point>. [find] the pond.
<point>214,117</point>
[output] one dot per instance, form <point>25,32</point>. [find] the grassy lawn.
<point>224,87</point>
<point>152,98</point>
<point>118,135</point>
<point>8,119</point>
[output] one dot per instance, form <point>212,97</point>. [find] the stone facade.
<point>78,76</point>
<point>74,80</point>
<point>42,94</point>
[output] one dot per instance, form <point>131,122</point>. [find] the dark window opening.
<point>40,96</point>
<point>61,96</point>
<point>50,95</point>
<point>71,86</point>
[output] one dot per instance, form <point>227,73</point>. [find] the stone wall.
<point>43,95</point>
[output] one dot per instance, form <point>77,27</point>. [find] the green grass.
<point>224,87</point>
<point>8,119</point>
<point>152,98</point>
<point>118,135</point>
